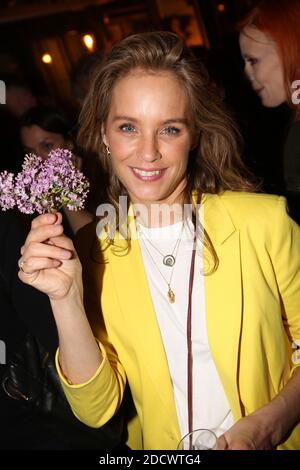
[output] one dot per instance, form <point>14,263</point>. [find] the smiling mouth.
<point>148,175</point>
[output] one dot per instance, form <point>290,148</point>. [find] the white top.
<point>211,409</point>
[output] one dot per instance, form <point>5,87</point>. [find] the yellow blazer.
<point>252,309</point>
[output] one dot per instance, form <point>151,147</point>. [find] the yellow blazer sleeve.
<point>285,254</point>
<point>89,401</point>
<point>97,400</point>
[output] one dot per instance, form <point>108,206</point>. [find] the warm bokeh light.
<point>221,7</point>
<point>47,59</point>
<point>89,41</point>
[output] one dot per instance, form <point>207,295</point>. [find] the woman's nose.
<point>149,151</point>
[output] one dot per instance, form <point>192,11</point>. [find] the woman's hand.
<point>49,261</point>
<point>250,433</point>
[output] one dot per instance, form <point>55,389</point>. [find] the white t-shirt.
<point>211,409</point>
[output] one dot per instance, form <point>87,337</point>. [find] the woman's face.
<point>149,137</point>
<point>263,66</point>
<point>36,140</point>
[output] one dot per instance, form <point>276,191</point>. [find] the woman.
<point>270,46</point>
<point>42,129</point>
<point>21,426</point>
<point>202,328</point>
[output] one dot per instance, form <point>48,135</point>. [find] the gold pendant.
<point>171,296</point>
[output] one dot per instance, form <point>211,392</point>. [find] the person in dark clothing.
<point>24,310</point>
<point>20,311</point>
<point>291,167</point>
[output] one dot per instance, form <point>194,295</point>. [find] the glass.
<point>199,439</point>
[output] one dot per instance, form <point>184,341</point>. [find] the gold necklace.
<point>170,293</point>
<point>169,259</point>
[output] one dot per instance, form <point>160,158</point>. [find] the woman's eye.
<point>171,131</point>
<point>252,61</point>
<point>127,128</point>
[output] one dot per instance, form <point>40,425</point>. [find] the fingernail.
<point>57,217</point>
<point>65,254</point>
<point>51,218</point>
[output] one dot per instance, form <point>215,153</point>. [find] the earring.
<point>107,150</point>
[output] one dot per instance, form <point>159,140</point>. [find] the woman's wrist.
<point>70,305</point>
<point>282,414</point>
<point>273,420</point>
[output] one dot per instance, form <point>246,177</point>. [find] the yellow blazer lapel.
<point>223,292</point>
<point>136,303</point>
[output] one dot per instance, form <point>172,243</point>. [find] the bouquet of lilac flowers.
<point>45,186</point>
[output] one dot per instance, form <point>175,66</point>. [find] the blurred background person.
<point>270,46</point>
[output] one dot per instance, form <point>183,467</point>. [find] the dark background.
<point>30,28</point>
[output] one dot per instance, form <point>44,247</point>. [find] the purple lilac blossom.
<point>47,186</point>
<point>7,200</point>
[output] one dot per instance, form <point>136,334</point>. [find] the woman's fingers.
<point>38,256</point>
<point>32,265</point>
<point>49,261</point>
<point>62,242</point>
<point>45,250</point>
<point>44,227</point>
<point>222,443</point>
<point>43,232</point>
<point>46,219</point>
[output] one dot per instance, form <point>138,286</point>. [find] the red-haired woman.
<point>270,45</point>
